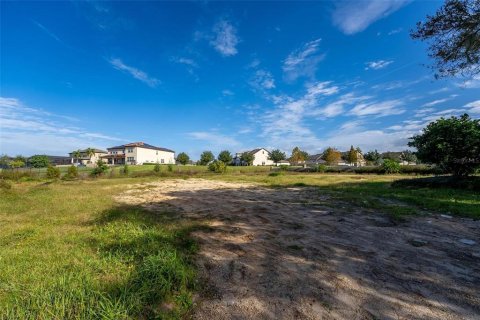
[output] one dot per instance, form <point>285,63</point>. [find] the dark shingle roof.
<point>140,145</point>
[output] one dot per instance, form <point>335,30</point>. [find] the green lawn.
<point>67,250</point>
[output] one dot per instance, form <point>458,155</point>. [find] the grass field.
<point>67,250</point>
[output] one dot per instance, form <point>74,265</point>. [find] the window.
<point>162,161</point>
<point>130,159</point>
<point>157,153</point>
<point>130,150</point>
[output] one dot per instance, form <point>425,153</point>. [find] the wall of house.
<point>261,158</point>
<point>143,155</point>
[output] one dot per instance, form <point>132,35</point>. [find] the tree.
<point>38,161</point>
<point>373,157</point>
<point>298,155</point>
<point>408,156</point>
<point>72,172</point>
<point>391,166</point>
<point>100,168</point>
<point>395,156</point>
<point>206,157</point>
<point>76,155</point>
<point>217,166</point>
<point>454,37</point>
<point>225,156</point>
<point>4,160</point>
<point>183,158</point>
<point>277,156</point>
<point>247,158</point>
<point>14,164</point>
<point>331,156</point>
<point>90,152</point>
<point>453,144</point>
<point>352,156</point>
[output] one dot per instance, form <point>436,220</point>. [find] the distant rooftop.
<point>140,145</point>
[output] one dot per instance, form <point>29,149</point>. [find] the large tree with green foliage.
<point>352,156</point>
<point>453,144</point>
<point>408,156</point>
<point>38,161</point>
<point>277,155</point>
<point>206,157</point>
<point>183,158</point>
<point>331,156</point>
<point>225,156</point>
<point>374,157</point>
<point>247,158</point>
<point>453,33</point>
<point>298,156</point>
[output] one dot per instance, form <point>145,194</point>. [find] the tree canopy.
<point>298,155</point>
<point>277,155</point>
<point>206,157</point>
<point>374,157</point>
<point>453,33</point>
<point>332,156</point>
<point>453,144</point>
<point>352,156</point>
<point>225,156</point>
<point>183,158</point>
<point>38,161</point>
<point>247,158</point>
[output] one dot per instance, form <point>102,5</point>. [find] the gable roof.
<point>140,145</point>
<point>256,150</point>
<point>316,158</point>
<point>85,150</point>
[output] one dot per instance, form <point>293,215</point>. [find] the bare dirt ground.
<point>294,253</point>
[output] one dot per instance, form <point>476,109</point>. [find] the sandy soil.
<point>296,254</point>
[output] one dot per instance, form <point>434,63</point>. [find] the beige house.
<point>261,158</point>
<point>85,158</point>
<point>139,153</point>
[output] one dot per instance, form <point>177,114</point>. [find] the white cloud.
<point>395,31</point>
<point>472,83</point>
<point>355,16</point>
<point>435,102</point>
<point>48,32</point>
<point>225,38</point>
<point>379,109</point>
<point>134,72</point>
<point>262,79</point>
<point>27,130</point>
<point>473,107</point>
<point>227,92</point>
<point>302,61</point>
<point>185,61</point>
<point>337,107</point>
<point>369,140</point>
<point>377,65</point>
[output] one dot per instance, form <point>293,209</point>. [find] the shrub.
<point>72,172</point>
<point>16,174</point>
<point>217,166</point>
<point>53,172</point>
<point>38,161</point>
<point>321,168</point>
<point>4,184</point>
<point>125,169</point>
<point>283,168</point>
<point>275,174</point>
<point>157,168</point>
<point>170,168</point>
<point>100,169</point>
<point>390,166</point>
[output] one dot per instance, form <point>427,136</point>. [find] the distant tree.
<point>298,156</point>
<point>225,156</point>
<point>352,156</point>
<point>453,144</point>
<point>331,156</point>
<point>72,172</point>
<point>76,155</point>
<point>373,157</point>
<point>276,156</point>
<point>454,37</point>
<point>90,152</point>
<point>38,161</point>
<point>247,158</point>
<point>4,160</point>
<point>206,157</point>
<point>183,158</point>
<point>14,164</point>
<point>395,156</point>
<point>408,156</point>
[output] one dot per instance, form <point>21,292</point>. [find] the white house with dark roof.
<point>261,157</point>
<point>139,153</point>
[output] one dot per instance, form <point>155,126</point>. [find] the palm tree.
<point>76,155</point>
<point>90,152</point>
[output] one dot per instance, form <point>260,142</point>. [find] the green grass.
<point>67,251</point>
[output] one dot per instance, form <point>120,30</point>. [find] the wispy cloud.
<point>185,61</point>
<point>227,93</point>
<point>473,107</point>
<point>378,109</point>
<point>225,39</point>
<point>134,72</point>
<point>395,31</point>
<point>377,65</point>
<point>262,80</point>
<point>355,16</point>
<point>435,102</point>
<point>47,31</point>
<point>31,130</point>
<point>302,61</point>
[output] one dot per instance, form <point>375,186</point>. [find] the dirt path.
<point>296,254</point>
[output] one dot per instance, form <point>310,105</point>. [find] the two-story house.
<point>87,157</point>
<point>261,158</point>
<point>139,153</point>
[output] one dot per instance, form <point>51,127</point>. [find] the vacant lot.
<point>238,246</point>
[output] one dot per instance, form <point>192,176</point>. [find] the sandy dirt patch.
<point>294,253</point>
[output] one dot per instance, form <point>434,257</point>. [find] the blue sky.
<point>194,76</point>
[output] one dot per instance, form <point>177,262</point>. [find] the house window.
<point>130,150</point>
<point>162,161</point>
<point>157,153</point>
<point>130,159</point>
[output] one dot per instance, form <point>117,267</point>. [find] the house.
<point>59,160</point>
<point>138,153</point>
<point>315,159</point>
<point>261,158</point>
<point>85,158</point>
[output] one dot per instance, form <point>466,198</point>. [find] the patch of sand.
<point>294,253</point>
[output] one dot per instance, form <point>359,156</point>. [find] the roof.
<point>256,150</point>
<point>316,158</point>
<point>140,145</point>
<point>95,149</point>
